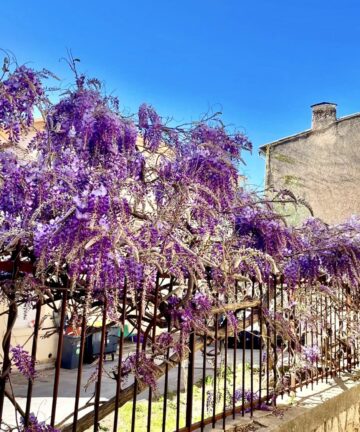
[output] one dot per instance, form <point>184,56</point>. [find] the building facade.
<point>320,165</point>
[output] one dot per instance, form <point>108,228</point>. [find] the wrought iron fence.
<point>284,339</point>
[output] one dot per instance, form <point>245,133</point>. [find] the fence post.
<point>190,381</point>
<point>33,356</point>
<point>7,336</point>
<point>6,352</point>
<point>58,357</point>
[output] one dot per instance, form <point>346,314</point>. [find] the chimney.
<point>323,114</point>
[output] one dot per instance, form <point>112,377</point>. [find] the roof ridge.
<point>305,132</point>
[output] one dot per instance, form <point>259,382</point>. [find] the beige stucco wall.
<point>22,334</point>
<point>321,166</point>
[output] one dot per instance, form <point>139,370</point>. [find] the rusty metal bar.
<point>268,344</point>
<point>80,368</point>
<point>166,383</point>
<point>119,366</point>
<point>58,358</point>
<point>225,368</point>
<point>33,356</point>
<point>178,388</point>
<point>243,365</point>
<point>153,341</point>
<point>6,352</point>
<point>216,318</point>
<point>275,340</point>
<point>100,368</point>
<point>252,355</point>
<point>190,382</point>
<point>327,341</point>
<point>203,383</point>
<point>282,338</point>
<point>234,358</point>
<point>139,312</point>
<point>260,345</point>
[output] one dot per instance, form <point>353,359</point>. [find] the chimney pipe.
<point>323,114</point>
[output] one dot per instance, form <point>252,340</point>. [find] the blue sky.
<point>261,62</point>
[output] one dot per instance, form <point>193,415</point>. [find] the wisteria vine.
<point>107,202</point>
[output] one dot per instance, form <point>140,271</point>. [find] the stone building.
<point>320,165</point>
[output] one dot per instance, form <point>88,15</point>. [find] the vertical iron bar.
<point>58,358</point>
<point>312,335</point>
<point>12,315</point>
<point>348,316</point>
<point>80,367</point>
<point>190,381</point>
<point>327,341</point>
<point>275,341</point>
<point>100,367</point>
<point>33,356</point>
<point>203,383</point>
<point>252,354</point>
<point>166,385</point>
<point>215,369</point>
<point>139,312</point>
<point>317,337</point>
<point>290,343</point>
<point>298,320</point>
<point>282,338</point>
<point>121,352</point>
<point>343,332</point>
<point>331,356</point>
<point>234,356</point>
<point>225,370</point>
<point>243,364</point>
<point>178,388</point>
<point>6,352</point>
<point>268,345</point>
<point>306,332</point>
<point>323,345</point>
<point>153,341</point>
<point>260,343</point>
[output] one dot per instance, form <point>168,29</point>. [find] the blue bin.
<point>71,352</point>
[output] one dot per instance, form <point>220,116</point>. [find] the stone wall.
<point>321,166</point>
<point>338,414</point>
<point>332,406</point>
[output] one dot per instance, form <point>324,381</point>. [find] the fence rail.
<point>285,339</point>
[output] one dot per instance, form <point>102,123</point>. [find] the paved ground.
<point>43,387</point>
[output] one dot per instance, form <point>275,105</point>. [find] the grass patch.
<point>157,408</point>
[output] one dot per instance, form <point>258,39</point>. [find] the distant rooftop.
<point>323,116</point>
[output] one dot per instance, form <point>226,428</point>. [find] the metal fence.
<point>285,339</point>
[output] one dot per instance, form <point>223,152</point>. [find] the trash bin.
<point>70,352</point>
<point>111,341</point>
<point>93,343</point>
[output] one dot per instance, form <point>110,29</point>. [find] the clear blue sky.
<point>261,62</point>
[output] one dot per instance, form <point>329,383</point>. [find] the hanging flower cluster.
<point>36,426</point>
<point>23,361</point>
<point>18,94</point>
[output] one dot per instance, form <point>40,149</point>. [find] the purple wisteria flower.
<point>233,321</point>
<point>23,361</point>
<point>201,302</point>
<point>143,367</point>
<point>109,205</point>
<point>36,426</point>
<point>311,353</point>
